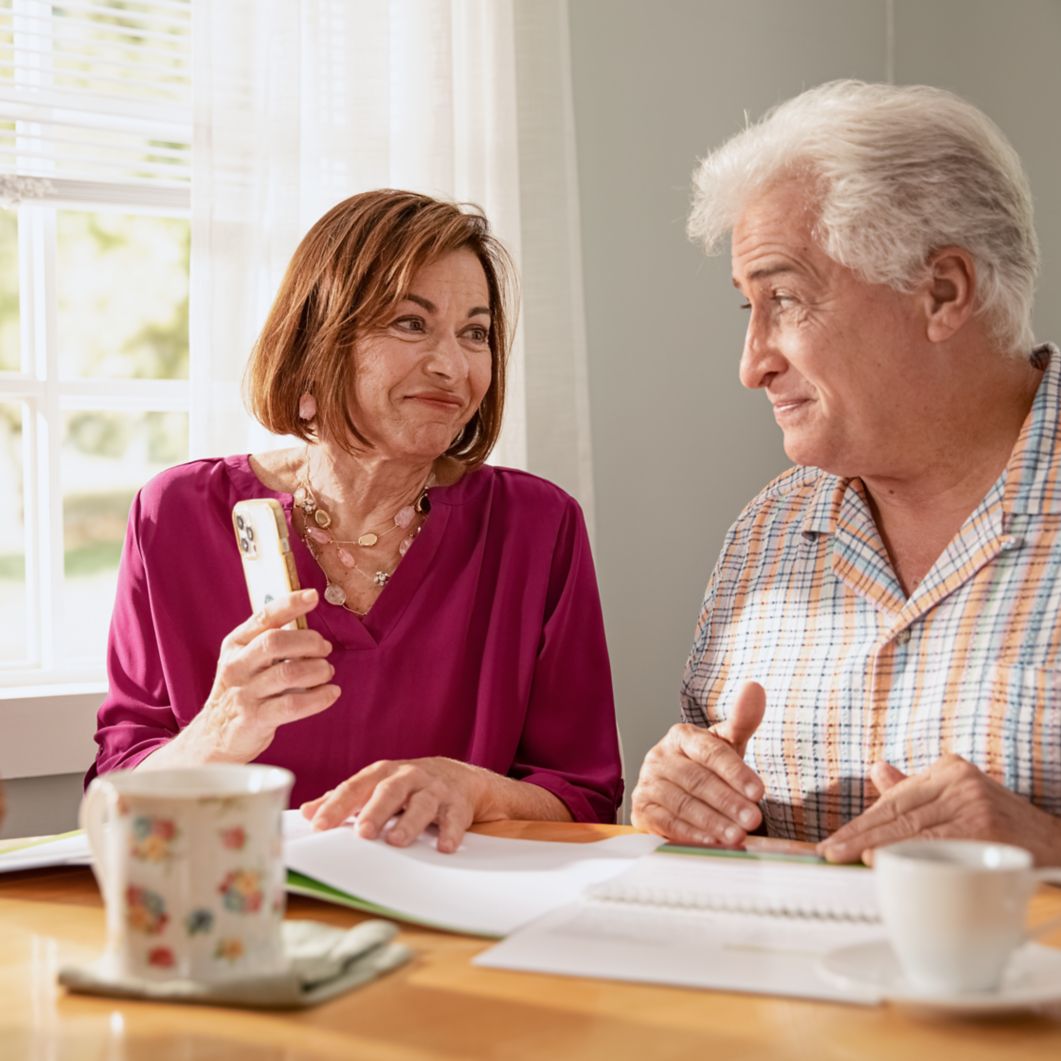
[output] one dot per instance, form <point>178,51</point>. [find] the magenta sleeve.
<point>136,717</point>
<point>569,744</point>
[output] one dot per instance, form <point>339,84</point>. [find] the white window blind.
<point>95,100</point>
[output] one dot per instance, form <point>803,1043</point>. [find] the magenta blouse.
<point>487,645</point>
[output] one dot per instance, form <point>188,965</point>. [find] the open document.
<point>489,887</point>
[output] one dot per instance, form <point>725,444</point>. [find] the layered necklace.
<point>318,539</point>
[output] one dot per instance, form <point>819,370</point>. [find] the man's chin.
<point>804,452</point>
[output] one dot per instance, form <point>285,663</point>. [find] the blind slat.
<point>60,55</point>
<point>174,10</point>
<point>47,26</point>
<point>102,122</point>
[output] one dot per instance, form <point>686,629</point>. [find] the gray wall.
<point>39,806</point>
<point>678,446</point>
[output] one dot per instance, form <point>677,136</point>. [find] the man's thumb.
<point>885,776</point>
<point>744,717</point>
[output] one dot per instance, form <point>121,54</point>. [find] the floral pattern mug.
<point>190,865</point>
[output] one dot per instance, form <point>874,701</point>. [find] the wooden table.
<point>440,1006</point>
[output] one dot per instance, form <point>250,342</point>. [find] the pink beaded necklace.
<point>316,537</point>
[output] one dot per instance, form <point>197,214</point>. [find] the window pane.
<point>13,603</point>
<point>9,339</point>
<point>106,458</point>
<point>122,283</point>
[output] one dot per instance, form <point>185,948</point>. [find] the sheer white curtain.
<point>300,103</point>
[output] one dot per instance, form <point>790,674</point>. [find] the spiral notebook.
<point>706,918</point>
<point>688,878</point>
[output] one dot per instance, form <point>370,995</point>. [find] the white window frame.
<point>47,707</point>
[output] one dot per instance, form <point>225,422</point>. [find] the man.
<point>878,652</point>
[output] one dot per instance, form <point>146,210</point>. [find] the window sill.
<point>48,729</point>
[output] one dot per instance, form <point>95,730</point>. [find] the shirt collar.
<point>1032,475</point>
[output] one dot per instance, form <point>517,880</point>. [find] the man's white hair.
<point>897,172</point>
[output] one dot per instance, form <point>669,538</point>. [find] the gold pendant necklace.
<point>316,537</point>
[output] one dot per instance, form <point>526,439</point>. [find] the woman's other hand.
<point>415,792</point>
<point>266,676</point>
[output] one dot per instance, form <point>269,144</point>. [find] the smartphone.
<point>268,566</point>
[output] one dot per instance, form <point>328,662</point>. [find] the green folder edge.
<point>756,856</point>
<point>297,884</point>
<point>300,884</point>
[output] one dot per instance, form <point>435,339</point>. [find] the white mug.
<point>955,910</point>
<point>190,865</point>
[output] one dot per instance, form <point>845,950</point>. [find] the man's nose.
<point>760,359</point>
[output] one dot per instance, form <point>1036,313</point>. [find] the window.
<point>95,129</point>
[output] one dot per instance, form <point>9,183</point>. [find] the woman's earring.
<point>307,407</point>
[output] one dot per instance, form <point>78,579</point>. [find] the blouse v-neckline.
<point>340,625</point>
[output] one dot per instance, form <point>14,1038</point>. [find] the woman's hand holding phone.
<point>266,676</point>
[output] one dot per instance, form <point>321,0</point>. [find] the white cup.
<point>190,864</point>
<point>955,910</point>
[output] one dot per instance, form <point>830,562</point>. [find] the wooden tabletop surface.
<point>441,1006</point>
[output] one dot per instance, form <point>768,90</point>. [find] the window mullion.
<point>45,516</point>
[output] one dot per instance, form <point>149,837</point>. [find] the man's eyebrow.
<point>766,271</point>
<point>475,311</point>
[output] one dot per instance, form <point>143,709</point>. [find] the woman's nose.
<point>447,358</point>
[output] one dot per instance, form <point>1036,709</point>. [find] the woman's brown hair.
<point>346,276</point>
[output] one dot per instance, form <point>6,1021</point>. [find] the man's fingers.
<point>660,819</point>
<point>708,750</point>
<point>744,717</point>
<point>907,810</point>
<point>713,809</point>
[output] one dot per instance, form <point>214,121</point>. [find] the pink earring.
<point>307,407</point>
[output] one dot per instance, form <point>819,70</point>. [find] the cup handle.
<point>1051,875</point>
<point>98,805</point>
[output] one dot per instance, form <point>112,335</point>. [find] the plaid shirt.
<point>804,599</point>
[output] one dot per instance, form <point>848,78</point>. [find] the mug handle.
<point>1050,875</point>
<point>97,806</point>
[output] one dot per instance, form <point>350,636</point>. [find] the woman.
<point>454,668</point>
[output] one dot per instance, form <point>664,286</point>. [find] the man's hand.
<point>694,785</point>
<point>952,799</point>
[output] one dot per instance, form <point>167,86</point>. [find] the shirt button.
<point>903,636</point>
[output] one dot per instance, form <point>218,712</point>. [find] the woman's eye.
<point>745,305</point>
<point>409,324</point>
<point>478,334</point>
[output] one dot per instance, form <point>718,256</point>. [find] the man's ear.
<point>949,292</point>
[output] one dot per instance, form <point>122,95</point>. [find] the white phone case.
<point>268,566</point>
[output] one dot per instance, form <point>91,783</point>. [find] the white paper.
<point>760,954</point>
<point>71,849</point>
<point>489,886</point>
<point>61,851</point>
